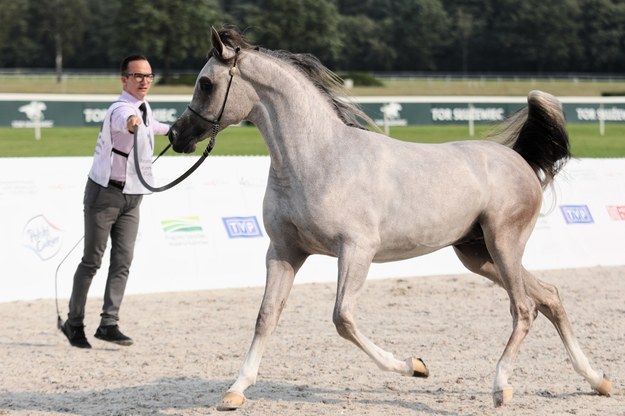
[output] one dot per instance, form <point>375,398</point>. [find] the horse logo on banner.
<point>34,110</point>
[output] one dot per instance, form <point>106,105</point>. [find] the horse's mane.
<point>327,82</point>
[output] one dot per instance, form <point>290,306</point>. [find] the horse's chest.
<point>307,221</point>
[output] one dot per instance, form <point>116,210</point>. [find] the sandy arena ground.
<point>189,347</point>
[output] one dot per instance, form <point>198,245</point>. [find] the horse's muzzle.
<point>181,142</point>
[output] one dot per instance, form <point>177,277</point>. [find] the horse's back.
<point>441,169</point>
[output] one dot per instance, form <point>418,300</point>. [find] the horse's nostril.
<point>172,135</point>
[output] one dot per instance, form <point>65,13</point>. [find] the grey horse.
<point>340,190</point>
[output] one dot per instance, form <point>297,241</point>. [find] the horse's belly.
<point>407,248</point>
<point>413,237</point>
<point>384,256</point>
<point>397,234</point>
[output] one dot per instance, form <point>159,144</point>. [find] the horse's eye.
<point>205,85</point>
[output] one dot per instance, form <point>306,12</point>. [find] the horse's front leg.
<point>281,270</point>
<point>354,263</point>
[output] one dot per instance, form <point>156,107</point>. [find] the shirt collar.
<point>130,98</point>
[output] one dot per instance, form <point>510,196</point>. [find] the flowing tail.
<point>538,133</point>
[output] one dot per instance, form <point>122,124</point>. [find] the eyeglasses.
<point>140,77</point>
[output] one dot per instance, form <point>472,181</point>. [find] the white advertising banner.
<point>208,233</point>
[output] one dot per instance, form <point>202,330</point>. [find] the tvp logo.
<point>576,214</point>
<point>242,227</point>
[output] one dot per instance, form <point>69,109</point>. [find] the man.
<point>112,199</point>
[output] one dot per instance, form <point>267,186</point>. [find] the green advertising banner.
<point>72,114</point>
<point>28,110</point>
<point>397,113</point>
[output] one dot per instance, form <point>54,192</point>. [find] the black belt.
<point>117,184</point>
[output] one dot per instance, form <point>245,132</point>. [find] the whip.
<point>59,320</point>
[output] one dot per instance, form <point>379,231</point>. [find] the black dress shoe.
<point>111,333</point>
<point>75,335</point>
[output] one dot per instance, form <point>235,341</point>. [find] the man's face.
<point>136,85</point>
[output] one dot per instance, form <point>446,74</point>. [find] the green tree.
<point>420,33</point>
<point>95,48</point>
<point>11,14</point>
<point>167,31</point>
<point>365,45</point>
<point>58,26</point>
<point>377,10</point>
<point>298,26</point>
<point>238,11</point>
<point>533,35</point>
<point>467,23</point>
<point>603,32</point>
<point>16,42</point>
<point>381,35</point>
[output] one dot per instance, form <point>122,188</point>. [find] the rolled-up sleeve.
<point>119,118</point>
<point>159,128</point>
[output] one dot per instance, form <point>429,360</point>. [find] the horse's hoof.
<point>231,401</point>
<point>604,387</point>
<point>502,396</point>
<point>418,367</point>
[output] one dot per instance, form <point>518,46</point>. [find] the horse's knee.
<point>267,319</point>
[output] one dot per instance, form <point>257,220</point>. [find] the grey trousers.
<point>107,213</point>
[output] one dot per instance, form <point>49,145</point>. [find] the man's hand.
<point>133,121</point>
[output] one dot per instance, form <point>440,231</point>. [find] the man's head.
<point>136,75</point>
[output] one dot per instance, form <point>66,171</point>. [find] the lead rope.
<point>209,148</point>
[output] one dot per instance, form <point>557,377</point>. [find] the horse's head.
<point>218,97</point>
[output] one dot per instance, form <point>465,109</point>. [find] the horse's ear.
<point>223,53</point>
<point>217,43</point>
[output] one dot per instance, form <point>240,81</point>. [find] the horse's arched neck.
<point>292,115</point>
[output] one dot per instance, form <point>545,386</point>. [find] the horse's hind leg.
<point>550,305</point>
<point>476,258</point>
<point>281,270</point>
<point>506,272</point>
<point>353,268</point>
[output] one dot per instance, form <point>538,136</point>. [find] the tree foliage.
<point>419,32</point>
<point>16,45</point>
<point>168,32</point>
<point>346,35</point>
<point>58,26</point>
<point>298,26</point>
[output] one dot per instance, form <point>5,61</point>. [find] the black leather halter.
<point>209,146</point>
<point>233,71</point>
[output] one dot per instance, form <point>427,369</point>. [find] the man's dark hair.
<point>129,59</point>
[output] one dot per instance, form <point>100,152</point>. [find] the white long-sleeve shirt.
<point>122,138</point>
